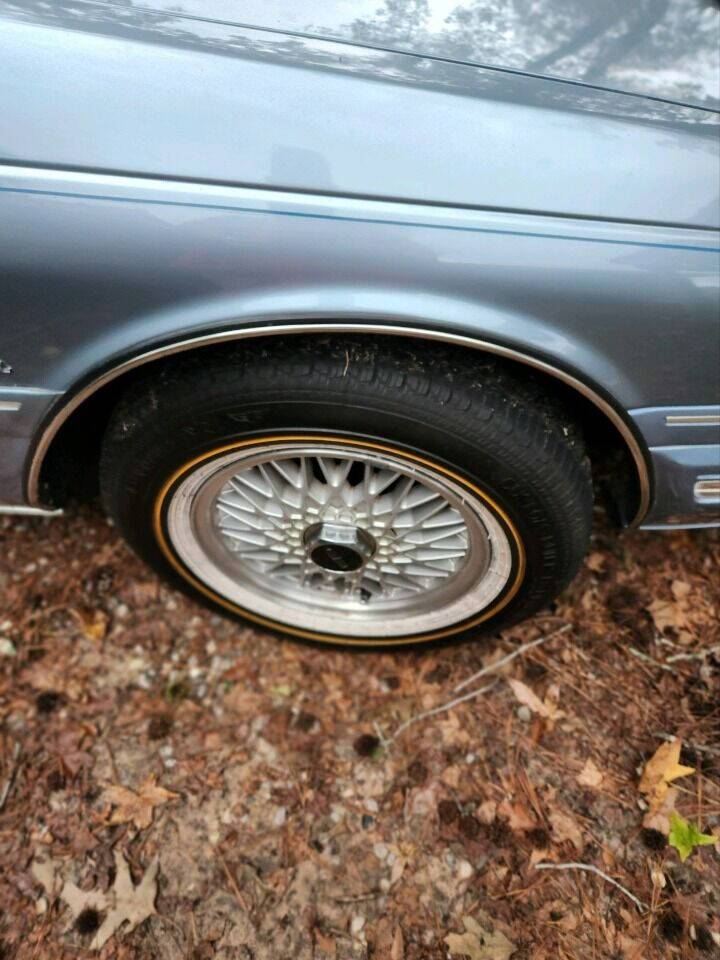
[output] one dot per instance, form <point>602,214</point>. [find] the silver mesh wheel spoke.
<point>265,526</point>
<point>263,512</point>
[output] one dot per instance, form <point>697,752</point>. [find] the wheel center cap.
<point>341,548</point>
<point>334,556</point>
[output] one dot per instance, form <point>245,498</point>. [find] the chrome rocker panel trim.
<point>14,510</point>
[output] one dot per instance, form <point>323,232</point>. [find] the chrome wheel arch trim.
<point>318,327</point>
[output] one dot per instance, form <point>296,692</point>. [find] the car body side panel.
<point>661,48</point>
<point>129,262</point>
<point>199,258</point>
<point>207,101</point>
<point>160,181</point>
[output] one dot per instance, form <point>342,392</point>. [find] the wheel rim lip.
<point>470,609</point>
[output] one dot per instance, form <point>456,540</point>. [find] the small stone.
<point>380,850</point>
<point>7,649</point>
<point>280,816</point>
<point>524,713</point>
<point>371,805</point>
<point>465,870</point>
<point>356,925</point>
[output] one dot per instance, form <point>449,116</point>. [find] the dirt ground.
<point>232,795</point>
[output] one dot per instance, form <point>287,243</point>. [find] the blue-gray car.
<point>350,311</point>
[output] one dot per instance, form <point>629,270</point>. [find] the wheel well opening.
<point>69,470</point>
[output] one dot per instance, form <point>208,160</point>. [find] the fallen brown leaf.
<point>517,816</point>
<point>663,767</point>
<point>136,807</point>
<point>669,614</point>
<point>565,827</point>
<point>478,943</point>
<point>545,708</point>
<point>124,902</point>
<point>590,776</point>
<point>658,817</point>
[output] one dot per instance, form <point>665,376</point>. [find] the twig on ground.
<point>700,655</point>
<point>700,747</point>
<point>373,895</point>
<point>492,667</point>
<point>11,775</point>
<point>232,881</point>
<point>589,868</point>
<point>441,709</point>
<point>384,742</point>
<point>643,656</point>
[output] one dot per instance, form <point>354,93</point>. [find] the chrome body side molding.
<point>10,509</point>
<point>707,489</point>
<point>690,420</point>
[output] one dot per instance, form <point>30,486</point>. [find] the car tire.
<point>364,492</point>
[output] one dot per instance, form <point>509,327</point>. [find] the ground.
<point>273,800</point>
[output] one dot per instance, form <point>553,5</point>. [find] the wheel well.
<point>69,470</point>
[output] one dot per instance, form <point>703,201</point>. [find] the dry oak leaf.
<point>478,943</point>
<point>388,943</point>
<point>46,871</point>
<point>663,767</point>
<point>590,776</point>
<point>137,807</point>
<point>671,614</point>
<point>517,815</point>
<point>124,902</point>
